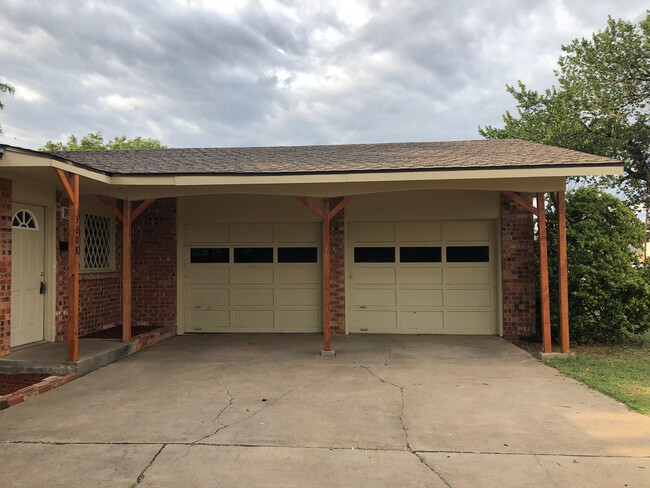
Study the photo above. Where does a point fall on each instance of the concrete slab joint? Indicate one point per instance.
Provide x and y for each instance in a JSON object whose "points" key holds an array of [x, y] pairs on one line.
{"points": [[401, 411]]}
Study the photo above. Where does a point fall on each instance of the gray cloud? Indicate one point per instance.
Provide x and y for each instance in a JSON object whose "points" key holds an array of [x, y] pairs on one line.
{"points": [[266, 72]]}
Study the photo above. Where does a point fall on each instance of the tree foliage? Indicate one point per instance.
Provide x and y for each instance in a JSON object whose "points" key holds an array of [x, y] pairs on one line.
{"points": [[600, 106], [5, 88], [609, 292], [95, 142]]}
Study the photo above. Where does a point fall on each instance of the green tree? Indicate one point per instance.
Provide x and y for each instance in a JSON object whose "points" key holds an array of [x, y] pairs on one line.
{"points": [[5, 88], [600, 106], [609, 292], [95, 142]]}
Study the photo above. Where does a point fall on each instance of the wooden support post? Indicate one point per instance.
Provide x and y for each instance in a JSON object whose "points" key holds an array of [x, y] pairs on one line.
{"points": [[543, 274], [326, 275], [126, 272], [73, 271], [326, 215], [71, 187], [562, 271]]}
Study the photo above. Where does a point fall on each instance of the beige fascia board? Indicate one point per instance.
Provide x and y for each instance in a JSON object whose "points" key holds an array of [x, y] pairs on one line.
{"points": [[211, 180], [83, 172]]}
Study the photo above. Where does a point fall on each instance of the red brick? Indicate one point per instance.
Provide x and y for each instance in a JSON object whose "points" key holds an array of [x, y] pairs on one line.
{"points": [[5, 265], [518, 262]]}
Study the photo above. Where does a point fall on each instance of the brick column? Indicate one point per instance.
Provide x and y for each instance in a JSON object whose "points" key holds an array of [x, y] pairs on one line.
{"points": [[154, 265], [5, 266], [518, 273], [337, 270]]}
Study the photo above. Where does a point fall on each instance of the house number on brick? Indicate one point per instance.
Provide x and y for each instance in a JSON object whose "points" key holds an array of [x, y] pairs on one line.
{"points": [[76, 235]]}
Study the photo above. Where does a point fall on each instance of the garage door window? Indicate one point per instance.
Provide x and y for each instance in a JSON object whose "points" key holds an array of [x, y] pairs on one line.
{"points": [[297, 254], [374, 254], [420, 254], [209, 255], [253, 254], [468, 254]]}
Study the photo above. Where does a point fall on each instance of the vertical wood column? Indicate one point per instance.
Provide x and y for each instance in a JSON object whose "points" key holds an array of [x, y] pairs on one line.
{"points": [[326, 275], [543, 274], [126, 272], [73, 271], [562, 271]]}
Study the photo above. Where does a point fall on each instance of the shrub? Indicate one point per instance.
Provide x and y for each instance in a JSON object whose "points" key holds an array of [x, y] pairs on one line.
{"points": [[609, 289]]}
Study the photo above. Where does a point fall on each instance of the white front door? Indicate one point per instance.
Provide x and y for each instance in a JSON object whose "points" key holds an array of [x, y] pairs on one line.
{"points": [[27, 271]]}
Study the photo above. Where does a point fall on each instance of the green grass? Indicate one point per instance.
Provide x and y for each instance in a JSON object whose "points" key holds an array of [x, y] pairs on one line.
{"points": [[621, 371]]}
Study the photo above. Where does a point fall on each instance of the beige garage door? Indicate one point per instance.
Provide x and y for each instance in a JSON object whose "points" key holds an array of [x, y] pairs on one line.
{"points": [[422, 277], [252, 278]]}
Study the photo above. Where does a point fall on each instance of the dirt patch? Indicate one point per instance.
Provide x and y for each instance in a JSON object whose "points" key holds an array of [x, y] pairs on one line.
{"points": [[14, 382], [116, 332]]}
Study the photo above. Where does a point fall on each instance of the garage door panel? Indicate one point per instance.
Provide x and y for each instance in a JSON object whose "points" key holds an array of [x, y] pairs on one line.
{"points": [[368, 297], [285, 275], [298, 297], [249, 290], [208, 298], [288, 233], [374, 321], [252, 319], [420, 298], [252, 296], [250, 275], [465, 298], [208, 275], [419, 276], [247, 233], [374, 276], [466, 231], [467, 276], [418, 232], [372, 232], [298, 320], [452, 295], [479, 322], [421, 322], [207, 233], [207, 320]]}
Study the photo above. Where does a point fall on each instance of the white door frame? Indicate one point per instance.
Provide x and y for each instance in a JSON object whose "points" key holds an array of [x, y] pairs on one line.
{"points": [[49, 223]]}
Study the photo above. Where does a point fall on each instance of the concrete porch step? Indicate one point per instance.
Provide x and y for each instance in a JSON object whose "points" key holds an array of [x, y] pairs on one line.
{"points": [[50, 357]]}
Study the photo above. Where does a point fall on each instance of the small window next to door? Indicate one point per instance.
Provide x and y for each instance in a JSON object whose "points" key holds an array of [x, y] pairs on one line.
{"points": [[468, 254], [209, 255], [430, 254], [24, 219], [297, 254], [253, 254], [374, 254]]}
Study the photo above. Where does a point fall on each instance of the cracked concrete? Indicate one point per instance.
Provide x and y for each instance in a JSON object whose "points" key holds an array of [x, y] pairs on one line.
{"points": [[254, 410]]}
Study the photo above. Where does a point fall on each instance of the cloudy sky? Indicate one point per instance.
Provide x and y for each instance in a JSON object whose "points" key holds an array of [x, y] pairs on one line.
{"points": [[197, 73]]}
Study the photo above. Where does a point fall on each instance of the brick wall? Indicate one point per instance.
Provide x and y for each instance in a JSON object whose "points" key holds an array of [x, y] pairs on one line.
{"points": [[518, 261], [5, 266], [100, 294], [153, 270], [154, 265], [337, 270]]}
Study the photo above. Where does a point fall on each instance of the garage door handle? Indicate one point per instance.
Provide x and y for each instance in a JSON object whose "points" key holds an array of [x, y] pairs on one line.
{"points": [[201, 307]]}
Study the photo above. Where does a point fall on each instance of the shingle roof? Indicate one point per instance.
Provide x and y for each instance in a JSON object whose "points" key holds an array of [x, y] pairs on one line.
{"points": [[351, 158]]}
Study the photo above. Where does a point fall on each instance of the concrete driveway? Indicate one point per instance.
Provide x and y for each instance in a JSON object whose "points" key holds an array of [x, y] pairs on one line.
{"points": [[266, 410]]}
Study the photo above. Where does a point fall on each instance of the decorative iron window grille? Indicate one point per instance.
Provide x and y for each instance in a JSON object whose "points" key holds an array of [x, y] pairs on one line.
{"points": [[96, 242], [24, 219]]}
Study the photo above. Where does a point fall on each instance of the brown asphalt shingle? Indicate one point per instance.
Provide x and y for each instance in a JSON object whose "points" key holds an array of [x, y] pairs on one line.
{"points": [[351, 158]]}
